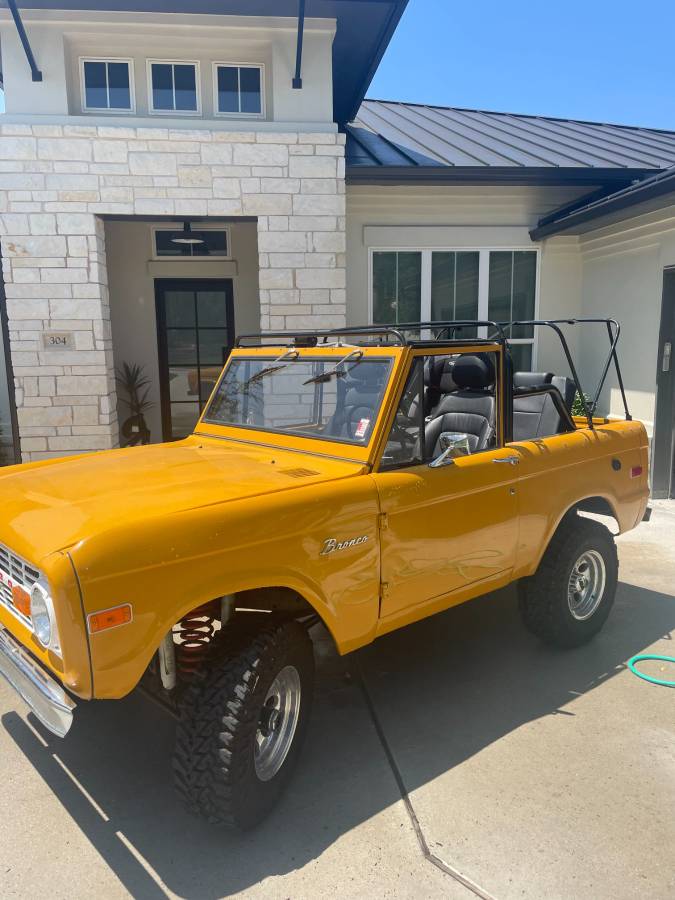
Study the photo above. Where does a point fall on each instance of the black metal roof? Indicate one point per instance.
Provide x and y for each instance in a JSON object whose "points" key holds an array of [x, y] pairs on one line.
{"points": [[432, 142], [651, 193], [364, 29]]}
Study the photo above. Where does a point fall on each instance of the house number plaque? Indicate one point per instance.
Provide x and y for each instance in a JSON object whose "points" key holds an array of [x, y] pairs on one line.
{"points": [[58, 340]]}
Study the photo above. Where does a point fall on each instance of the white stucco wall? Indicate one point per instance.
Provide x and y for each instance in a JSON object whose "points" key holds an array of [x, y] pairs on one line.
{"points": [[131, 280], [622, 276], [59, 38], [456, 217]]}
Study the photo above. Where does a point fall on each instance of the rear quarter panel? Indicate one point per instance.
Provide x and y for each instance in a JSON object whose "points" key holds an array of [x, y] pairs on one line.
{"points": [[558, 472], [165, 567]]}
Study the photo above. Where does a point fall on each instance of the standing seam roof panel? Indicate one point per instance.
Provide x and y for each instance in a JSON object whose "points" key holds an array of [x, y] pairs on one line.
{"points": [[421, 135]]}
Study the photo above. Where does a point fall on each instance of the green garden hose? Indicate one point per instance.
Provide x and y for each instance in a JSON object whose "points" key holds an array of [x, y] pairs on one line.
{"points": [[642, 656]]}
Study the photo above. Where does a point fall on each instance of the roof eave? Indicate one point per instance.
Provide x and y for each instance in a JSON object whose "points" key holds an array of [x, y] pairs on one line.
{"points": [[397, 11], [496, 175], [610, 210]]}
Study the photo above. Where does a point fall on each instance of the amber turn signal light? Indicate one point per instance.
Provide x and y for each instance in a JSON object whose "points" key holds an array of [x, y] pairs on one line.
{"points": [[21, 600], [109, 618]]}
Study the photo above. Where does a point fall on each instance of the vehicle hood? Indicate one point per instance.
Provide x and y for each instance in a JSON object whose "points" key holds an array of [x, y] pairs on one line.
{"points": [[47, 507]]}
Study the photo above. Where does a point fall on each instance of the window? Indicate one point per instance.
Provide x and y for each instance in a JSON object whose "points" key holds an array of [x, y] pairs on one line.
{"points": [[454, 287], [215, 243], [437, 285], [397, 280], [333, 398], [173, 87], [437, 412], [513, 282], [107, 84], [238, 89]]}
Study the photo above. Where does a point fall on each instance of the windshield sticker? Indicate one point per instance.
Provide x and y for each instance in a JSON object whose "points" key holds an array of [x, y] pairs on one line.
{"points": [[362, 428]]}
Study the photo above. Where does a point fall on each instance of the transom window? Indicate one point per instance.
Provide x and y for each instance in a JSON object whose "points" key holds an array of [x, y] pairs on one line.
{"points": [[436, 285], [238, 89], [173, 87], [107, 84], [214, 242]]}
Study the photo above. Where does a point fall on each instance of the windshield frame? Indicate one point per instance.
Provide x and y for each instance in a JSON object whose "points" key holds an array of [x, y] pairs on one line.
{"points": [[322, 445]]}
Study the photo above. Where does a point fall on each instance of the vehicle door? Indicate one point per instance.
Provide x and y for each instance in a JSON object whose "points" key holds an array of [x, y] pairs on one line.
{"points": [[449, 530]]}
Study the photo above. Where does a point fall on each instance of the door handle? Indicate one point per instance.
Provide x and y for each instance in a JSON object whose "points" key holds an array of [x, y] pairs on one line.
{"points": [[667, 351], [513, 460]]}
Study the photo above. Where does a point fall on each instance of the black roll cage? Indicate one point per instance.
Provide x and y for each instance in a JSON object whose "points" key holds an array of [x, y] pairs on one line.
{"points": [[394, 335]]}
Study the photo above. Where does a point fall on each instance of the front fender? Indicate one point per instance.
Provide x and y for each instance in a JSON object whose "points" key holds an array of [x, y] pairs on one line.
{"points": [[166, 567]]}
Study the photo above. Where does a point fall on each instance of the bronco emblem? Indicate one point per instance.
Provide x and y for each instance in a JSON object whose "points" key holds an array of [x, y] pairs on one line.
{"points": [[330, 545]]}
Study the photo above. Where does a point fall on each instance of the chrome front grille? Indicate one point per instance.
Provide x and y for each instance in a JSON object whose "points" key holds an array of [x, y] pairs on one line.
{"points": [[14, 570]]}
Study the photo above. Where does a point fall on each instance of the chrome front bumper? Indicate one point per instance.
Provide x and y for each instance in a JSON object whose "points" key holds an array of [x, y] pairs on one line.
{"points": [[45, 696]]}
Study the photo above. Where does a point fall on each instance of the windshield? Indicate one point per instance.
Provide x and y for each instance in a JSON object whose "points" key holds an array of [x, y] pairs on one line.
{"points": [[332, 398]]}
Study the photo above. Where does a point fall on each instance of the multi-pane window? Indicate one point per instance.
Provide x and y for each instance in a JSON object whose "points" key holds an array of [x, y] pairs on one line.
{"points": [[397, 286], [513, 286], [214, 242], [173, 87], [239, 90], [106, 84], [454, 287], [441, 285]]}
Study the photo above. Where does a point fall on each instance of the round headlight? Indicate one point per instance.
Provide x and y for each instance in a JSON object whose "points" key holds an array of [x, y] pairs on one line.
{"points": [[40, 613]]}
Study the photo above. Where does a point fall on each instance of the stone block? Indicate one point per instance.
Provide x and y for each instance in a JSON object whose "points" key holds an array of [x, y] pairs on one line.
{"points": [[318, 204], [152, 163], [71, 149], [312, 167], [260, 155], [267, 204], [320, 278]]}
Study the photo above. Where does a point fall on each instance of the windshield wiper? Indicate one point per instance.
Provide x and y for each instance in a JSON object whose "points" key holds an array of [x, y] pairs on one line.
{"points": [[276, 365], [336, 370]]}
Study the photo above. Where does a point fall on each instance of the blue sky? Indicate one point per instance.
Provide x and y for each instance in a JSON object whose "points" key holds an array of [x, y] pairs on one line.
{"points": [[595, 60]]}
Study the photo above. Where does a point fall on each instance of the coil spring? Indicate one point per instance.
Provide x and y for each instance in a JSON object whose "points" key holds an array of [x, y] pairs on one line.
{"points": [[194, 634]]}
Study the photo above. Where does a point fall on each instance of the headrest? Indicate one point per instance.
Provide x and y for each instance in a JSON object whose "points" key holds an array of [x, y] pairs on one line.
{"points": [[447, 382], [474, 372], [531, 379]]}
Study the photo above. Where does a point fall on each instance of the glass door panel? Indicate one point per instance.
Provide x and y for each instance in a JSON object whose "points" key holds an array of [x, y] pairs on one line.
{"points": [[195, 325]]}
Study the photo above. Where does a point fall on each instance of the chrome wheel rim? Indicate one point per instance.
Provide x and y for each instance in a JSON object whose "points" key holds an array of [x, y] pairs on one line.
{"points": [[586, 586], [277, 723]]}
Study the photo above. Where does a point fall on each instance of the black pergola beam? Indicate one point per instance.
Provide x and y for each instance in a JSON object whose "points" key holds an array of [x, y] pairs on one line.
{"points": [[36, 74], [297, 78]]}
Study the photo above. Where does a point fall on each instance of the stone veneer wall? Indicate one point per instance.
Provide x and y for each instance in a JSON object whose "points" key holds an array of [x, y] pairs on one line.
{"points": [[55, 183]]}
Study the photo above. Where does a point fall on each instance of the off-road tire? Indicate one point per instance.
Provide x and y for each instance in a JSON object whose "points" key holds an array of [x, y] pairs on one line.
{"points": [[213, 764], [543, 598]]}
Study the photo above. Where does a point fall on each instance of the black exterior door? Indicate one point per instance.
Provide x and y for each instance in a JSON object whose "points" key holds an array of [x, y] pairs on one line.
{"points": [[9, 449], [663, 444], [195, 329]]}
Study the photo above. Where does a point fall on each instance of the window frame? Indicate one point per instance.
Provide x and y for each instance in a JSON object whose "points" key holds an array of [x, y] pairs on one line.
{"points": [[206, 226], [198, 87], [445, 350], [109, 111], [215, 65], [483, 282]]}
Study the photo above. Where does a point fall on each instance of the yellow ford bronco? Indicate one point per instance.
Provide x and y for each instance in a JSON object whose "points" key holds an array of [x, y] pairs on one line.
{"points": [[362, 478]]}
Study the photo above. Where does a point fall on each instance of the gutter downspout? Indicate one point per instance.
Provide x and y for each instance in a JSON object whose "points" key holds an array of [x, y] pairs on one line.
{"points": [[297, 79], [36, 74]]}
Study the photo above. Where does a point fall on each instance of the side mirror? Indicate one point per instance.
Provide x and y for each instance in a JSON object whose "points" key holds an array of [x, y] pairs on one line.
{"points": [[452, 444]]}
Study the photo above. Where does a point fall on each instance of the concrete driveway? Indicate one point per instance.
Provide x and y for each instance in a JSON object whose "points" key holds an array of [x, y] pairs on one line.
{"points": [[457, 758]]}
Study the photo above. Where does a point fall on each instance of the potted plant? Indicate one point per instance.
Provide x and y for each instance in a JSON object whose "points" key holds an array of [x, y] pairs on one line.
{"points": [[134, 387]]}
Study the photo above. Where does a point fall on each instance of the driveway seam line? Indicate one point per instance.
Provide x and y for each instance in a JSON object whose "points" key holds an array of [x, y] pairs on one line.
{"points": [[405, 797]]}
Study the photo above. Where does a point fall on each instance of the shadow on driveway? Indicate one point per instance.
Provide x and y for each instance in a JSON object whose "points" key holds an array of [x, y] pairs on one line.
{"points": [[451, 685]]}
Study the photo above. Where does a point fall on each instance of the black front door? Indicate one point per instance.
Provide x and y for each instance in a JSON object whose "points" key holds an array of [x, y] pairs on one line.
{"points": [[9, 451], [663, 444], [195, 328]]}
